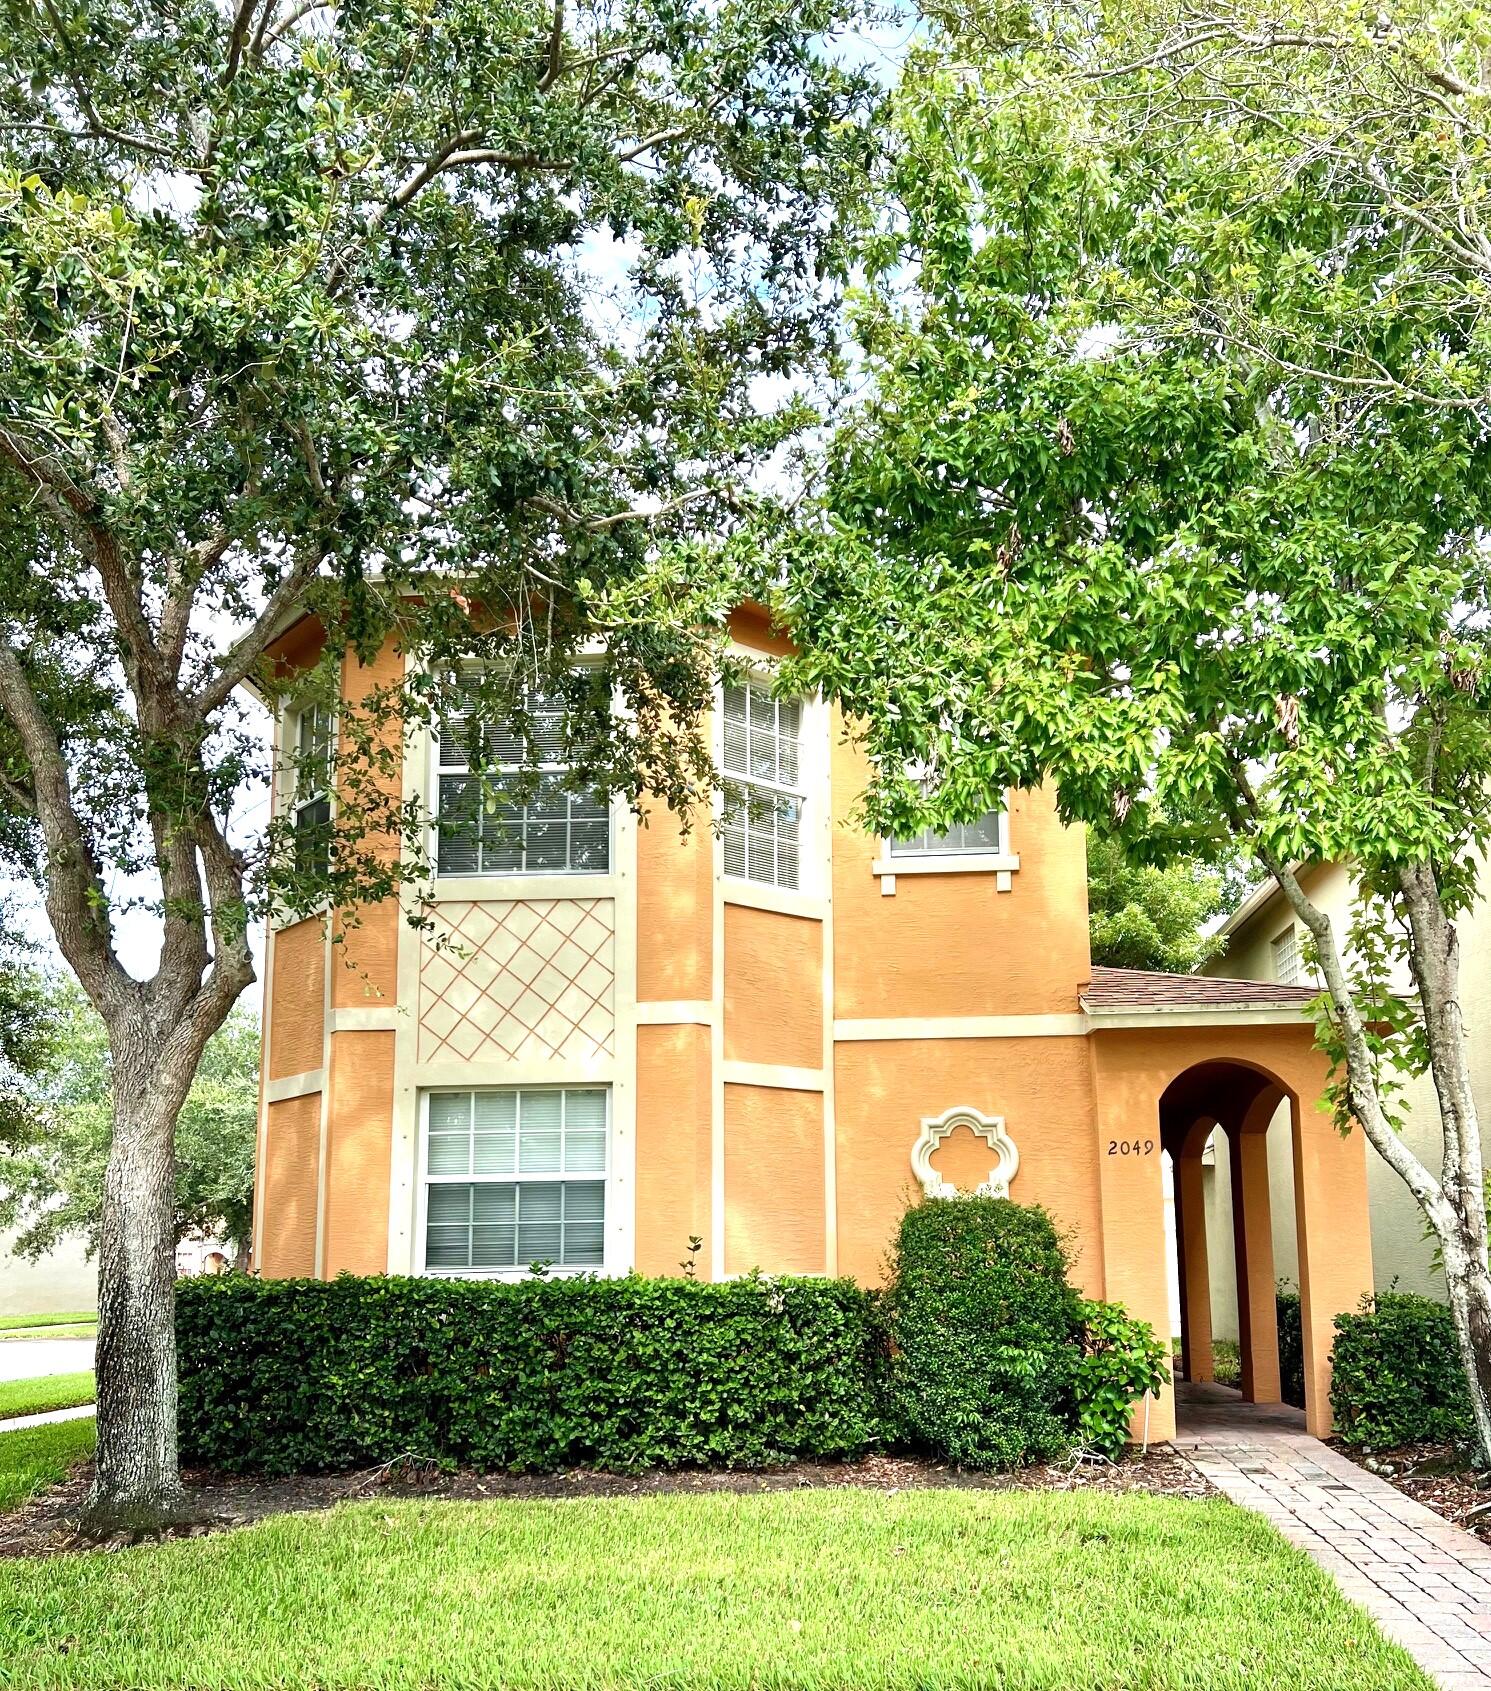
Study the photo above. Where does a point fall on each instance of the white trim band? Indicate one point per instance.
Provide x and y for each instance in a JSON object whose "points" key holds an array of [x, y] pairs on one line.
{"points": [[294, 1086], [778, 1075], [962, 1027], [676, 1012]]}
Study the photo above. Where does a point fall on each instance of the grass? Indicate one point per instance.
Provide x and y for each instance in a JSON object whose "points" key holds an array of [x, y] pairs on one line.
{"points": [[67, 1318], [834, 1590], [51, 1391], [37, 1457]]}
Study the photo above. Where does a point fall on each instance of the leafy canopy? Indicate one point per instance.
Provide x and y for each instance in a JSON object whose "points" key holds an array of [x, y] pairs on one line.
{"points": [[1092, 523], [1146, 916]]}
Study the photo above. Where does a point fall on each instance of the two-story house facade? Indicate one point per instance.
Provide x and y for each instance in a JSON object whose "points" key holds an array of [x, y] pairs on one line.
{"points": [[619, 1036]]}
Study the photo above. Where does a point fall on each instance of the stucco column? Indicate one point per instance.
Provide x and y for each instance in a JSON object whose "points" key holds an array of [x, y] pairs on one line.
{"points": [[1195, 1276], [1253, 1241], [1335, 1241]]}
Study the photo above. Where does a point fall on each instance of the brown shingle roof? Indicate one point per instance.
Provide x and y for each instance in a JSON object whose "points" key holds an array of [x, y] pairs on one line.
{"points": [[1147, 989]]}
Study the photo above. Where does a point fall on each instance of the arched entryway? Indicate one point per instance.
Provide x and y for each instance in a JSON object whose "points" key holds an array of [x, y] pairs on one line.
{"points": [[1221, 1112]]}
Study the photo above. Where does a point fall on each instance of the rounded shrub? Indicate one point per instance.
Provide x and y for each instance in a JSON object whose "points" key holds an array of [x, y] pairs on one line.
{"points": [[985, 1332], [1396, 1375]]}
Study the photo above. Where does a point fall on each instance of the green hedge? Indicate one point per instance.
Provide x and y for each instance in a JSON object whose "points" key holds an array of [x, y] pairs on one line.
{"points": [[1291, 1347], [1396, 1376], [285, 1376], [985, 1332]]}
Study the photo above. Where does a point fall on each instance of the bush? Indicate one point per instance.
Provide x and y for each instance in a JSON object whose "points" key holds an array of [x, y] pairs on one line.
{"points": [[985, 1332], [285, 1376], [1291, 1347], [1122, 1360], [1397, 1375]]}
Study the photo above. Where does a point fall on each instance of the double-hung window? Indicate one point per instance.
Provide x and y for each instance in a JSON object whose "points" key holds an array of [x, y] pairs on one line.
{"points": [[965, 839], [309, 732], [484, 828], [515, 1177], [764, 798]]}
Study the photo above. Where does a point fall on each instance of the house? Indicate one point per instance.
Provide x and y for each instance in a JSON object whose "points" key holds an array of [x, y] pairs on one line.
{"points": [[1266, 942], [768, 1038]]}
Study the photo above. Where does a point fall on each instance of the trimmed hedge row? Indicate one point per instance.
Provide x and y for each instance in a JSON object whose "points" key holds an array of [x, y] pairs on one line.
{"points": [[1396, 1376], [288, 1376], [1291, 1347]]}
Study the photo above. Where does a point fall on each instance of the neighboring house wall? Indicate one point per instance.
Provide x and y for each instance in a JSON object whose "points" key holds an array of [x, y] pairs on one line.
{"points": [[64, 1279], [1400, 1254]]}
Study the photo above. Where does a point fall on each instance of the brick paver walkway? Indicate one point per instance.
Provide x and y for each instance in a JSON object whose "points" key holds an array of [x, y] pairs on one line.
{"points": [[1426, 1582]]}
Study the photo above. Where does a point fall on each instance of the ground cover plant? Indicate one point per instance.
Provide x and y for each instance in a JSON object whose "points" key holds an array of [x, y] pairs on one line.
{"points": [[846, 1589], [35, 1457], [51, 1391]]}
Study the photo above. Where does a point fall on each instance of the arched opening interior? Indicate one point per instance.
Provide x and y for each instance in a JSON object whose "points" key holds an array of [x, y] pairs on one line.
{"points": [[1227, 1130]]}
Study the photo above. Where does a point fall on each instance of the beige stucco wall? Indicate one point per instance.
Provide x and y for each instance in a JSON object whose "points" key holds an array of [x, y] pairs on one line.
{"points": [[1400, 1255], [64, 1279]]}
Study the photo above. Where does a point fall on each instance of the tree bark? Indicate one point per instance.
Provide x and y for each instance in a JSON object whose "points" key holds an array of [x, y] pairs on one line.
{"points": [[136, 1484]]}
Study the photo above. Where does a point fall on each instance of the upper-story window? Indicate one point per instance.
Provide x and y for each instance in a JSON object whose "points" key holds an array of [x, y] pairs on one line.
{"points": [[964, 839], [1286, 957], [763, 812], [309, 732], [556, 831]]}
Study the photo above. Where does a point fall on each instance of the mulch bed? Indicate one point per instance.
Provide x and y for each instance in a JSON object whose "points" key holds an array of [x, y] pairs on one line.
{"points": [[1434, 1475], [47, 1524]]}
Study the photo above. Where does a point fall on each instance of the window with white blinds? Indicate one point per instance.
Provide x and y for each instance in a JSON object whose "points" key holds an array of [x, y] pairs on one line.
{"points": [[964, 839], [515, 1177], [764, 799], [482, 831]]}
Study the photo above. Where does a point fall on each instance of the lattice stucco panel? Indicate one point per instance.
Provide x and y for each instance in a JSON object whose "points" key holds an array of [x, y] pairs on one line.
{"points": [[521, 980]]}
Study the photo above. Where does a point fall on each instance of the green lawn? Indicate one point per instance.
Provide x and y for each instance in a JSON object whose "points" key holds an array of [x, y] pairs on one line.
{"points": [[66, 1318], [819, 1590], [37, 1457], [51, 1391]]}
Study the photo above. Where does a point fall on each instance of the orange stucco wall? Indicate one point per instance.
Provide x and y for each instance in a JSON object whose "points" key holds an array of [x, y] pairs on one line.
{"points": [[1043, 1089], [951, 945], [774, 1181], [297, 996], [675, 889], [292, 1142], [773, 988], [359, 1121], [673, 1147]]}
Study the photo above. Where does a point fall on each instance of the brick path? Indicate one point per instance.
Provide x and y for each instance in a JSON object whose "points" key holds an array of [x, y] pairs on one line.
{"points": [[1426, 1582]]}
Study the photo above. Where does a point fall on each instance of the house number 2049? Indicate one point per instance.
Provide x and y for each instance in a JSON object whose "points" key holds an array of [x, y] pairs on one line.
{"points": [[1130, 1147]]}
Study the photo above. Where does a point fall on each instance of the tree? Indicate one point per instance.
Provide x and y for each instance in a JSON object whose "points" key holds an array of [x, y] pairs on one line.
{"points": [[52, 1159], [1149, 916], [1172, 481], [460, 325], [25, 1031]]}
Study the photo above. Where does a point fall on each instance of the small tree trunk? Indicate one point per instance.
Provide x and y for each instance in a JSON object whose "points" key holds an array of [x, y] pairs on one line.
{"points": [[136, 1484], [1469, 1287]]}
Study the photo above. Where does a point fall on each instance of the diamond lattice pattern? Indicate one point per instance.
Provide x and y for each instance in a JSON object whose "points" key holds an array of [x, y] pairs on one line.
{"points": [[530, 979]]}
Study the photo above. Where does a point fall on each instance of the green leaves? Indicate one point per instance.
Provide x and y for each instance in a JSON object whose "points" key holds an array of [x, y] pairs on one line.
{"points": [[292, 1376]]}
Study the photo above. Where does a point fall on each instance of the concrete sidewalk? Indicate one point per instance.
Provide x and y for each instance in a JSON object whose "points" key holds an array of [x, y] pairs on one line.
{"points": [[18, 1423]]}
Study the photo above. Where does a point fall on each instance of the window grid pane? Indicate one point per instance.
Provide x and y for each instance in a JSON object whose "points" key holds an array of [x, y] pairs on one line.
{"points": [[482, 831], [542, 1138], [763, 815], [982, 836]]}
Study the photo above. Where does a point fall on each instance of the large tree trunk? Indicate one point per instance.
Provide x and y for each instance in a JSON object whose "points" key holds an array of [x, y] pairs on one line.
{"points": [[137, 1486]]}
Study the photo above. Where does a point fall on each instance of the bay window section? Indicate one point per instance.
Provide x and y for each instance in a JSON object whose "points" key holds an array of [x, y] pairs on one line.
{"points": [[506, 802], [309, 733], [515, 1177]]}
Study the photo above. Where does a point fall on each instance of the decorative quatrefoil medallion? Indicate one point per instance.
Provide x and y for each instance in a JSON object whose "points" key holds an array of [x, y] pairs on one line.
{"points": [[990, 1129]]}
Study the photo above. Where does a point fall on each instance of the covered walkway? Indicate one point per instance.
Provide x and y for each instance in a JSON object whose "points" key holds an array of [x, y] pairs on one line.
{"points": [[1426, 1582]]}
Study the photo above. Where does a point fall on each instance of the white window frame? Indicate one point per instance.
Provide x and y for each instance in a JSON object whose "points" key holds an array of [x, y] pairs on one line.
{"points": [[292, 769], [807, 774], [1003, 861], [424, 1179], [457, 877]]}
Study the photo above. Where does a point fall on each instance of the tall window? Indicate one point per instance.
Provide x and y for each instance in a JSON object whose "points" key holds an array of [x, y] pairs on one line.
{"points": [[763, 814], [555, 832], [964, 839], [515, 1177], [1286, 957], [309, 733]]}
